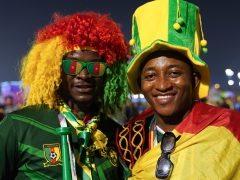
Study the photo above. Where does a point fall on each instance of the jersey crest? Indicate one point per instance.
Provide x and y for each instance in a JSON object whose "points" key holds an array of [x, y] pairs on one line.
{"points": [[52, 154]]}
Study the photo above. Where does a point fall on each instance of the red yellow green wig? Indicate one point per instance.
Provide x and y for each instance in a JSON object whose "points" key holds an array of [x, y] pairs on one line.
{"points": [[41, 67]]}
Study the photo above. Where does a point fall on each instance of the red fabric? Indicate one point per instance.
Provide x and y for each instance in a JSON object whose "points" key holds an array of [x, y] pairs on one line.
{"points": [[142, 116], [85, 118], [52, 151], [96, 69], [203, 115]]}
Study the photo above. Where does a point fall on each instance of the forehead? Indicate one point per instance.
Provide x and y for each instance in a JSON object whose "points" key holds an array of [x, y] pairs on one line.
{"points": [[170, 56], [83, 55]]}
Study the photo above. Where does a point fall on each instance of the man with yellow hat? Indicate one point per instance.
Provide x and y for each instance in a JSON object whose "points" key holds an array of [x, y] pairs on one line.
{"points": [[178, 137]]}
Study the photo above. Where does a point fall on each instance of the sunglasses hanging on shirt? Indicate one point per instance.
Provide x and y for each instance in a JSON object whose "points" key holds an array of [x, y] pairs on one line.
{"points": [[164, 165]]}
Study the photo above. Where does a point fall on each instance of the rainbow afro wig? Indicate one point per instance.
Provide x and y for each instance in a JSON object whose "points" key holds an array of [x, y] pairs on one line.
{"points": [[41, 68]]}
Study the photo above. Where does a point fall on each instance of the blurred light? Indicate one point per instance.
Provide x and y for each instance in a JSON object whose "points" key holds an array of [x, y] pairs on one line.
{"points": [[135, 96], [239, 84], [217, 86], [238, 74], [141, 96], [230, 82], [229, 72]]}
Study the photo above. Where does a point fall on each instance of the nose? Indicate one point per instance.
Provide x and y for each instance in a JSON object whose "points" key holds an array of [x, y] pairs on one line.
{"points": [[83, 74], [163, 83]]}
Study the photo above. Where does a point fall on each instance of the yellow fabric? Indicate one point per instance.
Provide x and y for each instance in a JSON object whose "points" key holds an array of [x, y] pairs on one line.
{"points": [[211, 154], [99, 139], [85, 131], [197, 46], [160, 22]]}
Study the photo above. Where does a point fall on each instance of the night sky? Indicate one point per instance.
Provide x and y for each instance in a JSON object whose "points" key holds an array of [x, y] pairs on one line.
{"points": [[20, 19]]}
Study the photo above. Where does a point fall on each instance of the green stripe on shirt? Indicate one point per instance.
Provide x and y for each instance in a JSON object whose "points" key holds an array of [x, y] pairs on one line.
{"points": [[33, 123], [30, 149], [34, 175]]}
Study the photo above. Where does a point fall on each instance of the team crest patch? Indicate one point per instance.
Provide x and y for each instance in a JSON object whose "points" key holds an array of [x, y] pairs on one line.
{"points": [[52, 154]]}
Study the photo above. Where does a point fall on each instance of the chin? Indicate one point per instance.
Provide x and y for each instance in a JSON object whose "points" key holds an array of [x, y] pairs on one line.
{"points": [[166, 113], [84, 102]]}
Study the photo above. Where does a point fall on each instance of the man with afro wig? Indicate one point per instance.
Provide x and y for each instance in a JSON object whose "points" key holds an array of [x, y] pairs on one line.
{"points": [[74, 80]]}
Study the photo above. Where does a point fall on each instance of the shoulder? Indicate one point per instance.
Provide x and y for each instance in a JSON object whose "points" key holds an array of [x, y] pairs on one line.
{"points": [[32, 115], [214, 111], [34, 111], [203, 115]]}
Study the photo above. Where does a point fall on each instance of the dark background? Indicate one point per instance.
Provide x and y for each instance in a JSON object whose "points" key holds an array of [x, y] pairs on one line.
{"points": [[20, 19]]}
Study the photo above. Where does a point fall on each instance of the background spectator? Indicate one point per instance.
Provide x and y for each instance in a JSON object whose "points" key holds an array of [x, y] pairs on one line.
{"points": [[9, 105]]}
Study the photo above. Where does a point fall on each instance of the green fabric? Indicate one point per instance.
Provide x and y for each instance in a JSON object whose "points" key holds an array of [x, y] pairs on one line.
{"points": [[81, 113], [34, 175], [34, 123], [84, 136], [23, 134], [127, 173], [31, 150], [22, 137], [186, 36], [159, 136], [137, 45]]}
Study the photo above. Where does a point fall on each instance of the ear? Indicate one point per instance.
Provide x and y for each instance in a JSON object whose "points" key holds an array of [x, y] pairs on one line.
{"points": [[196, 79]]}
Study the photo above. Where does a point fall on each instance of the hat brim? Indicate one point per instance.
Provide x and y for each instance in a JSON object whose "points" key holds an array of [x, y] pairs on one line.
{"points": [[200, 66]]}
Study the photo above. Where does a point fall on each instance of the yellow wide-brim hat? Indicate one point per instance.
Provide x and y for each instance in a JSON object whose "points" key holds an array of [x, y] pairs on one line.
{"points": [[168, 25]]}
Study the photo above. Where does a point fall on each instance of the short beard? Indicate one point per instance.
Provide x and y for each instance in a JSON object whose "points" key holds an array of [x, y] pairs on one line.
{"points": [[86, 104]]}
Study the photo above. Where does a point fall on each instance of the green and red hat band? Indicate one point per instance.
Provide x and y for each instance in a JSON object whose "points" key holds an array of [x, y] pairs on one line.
{"points": [[74, 67]]}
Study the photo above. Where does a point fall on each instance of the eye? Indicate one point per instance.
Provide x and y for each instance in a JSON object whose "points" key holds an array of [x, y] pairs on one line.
{"points": [[175, 74], [149, 76]]}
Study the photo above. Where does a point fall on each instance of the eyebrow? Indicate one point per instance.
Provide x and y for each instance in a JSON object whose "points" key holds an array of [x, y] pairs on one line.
{"points": [[175, 65], [148, 69], [169, 67]]}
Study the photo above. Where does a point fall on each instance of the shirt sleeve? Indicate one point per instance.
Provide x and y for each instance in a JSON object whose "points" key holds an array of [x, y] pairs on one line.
{"points": [[8, 148]]}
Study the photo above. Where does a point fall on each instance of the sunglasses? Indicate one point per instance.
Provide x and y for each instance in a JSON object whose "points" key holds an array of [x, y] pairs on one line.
{"points": [[164, 165], [74, 67]]}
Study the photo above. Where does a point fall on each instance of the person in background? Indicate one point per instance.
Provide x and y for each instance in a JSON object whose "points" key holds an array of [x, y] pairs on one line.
{"points": [[178, 137], [140, 106], [224, 103], [131, 110], [73, 76], [9, 105], [236, 103]]}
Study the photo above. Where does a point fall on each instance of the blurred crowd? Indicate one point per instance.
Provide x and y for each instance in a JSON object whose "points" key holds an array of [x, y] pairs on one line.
{"points": [[7, 106], [224, 99], [133, 107], [226, 102]]}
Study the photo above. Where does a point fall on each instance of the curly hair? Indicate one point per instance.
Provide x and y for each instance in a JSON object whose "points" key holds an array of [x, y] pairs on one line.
{"points": [[41, 68]]}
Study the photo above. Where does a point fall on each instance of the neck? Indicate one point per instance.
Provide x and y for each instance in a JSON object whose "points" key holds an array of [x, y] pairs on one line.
{"points": [[168, 123], [84, 107]]}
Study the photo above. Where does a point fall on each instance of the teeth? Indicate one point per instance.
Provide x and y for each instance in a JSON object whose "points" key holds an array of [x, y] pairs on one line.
{"points": [[163, 97]]}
